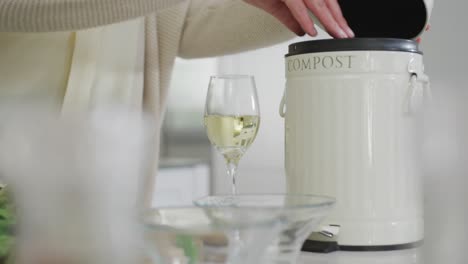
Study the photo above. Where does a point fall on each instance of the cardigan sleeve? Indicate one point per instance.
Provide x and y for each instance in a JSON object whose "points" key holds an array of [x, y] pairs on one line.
{"points": [[218, 27], [68, 15]]}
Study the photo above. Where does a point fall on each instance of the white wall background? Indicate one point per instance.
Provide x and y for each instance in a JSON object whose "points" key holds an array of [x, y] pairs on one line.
{"points": [[183, 134], [446, 135]]}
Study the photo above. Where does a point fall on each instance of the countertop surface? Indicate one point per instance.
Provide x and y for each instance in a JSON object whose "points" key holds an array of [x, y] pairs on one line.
{"points": [[166, 163], [412, 256]]}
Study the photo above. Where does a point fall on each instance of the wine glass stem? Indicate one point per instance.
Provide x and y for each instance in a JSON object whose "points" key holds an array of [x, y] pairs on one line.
{"points": [[232, 171]]}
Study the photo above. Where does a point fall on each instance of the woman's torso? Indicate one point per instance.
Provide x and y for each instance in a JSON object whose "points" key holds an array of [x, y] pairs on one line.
{"points": [[74, 70], [34, 67]]}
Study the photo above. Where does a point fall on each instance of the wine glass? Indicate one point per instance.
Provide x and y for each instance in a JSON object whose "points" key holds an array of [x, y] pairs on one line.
{"points": [[232, 117]]}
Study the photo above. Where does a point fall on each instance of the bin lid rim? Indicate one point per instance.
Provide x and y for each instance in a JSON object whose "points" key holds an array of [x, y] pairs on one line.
{"points": [[354, 44]]}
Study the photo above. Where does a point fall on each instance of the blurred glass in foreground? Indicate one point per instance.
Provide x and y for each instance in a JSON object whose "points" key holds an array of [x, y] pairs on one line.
{"points": [[76, 180]]}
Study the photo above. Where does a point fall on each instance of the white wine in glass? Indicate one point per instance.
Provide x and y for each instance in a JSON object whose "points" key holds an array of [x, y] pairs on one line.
{"points": [[232, 118]]}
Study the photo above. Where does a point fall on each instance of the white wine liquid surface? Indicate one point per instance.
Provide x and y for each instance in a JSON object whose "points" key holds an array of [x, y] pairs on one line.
{"points": [[232, 135]]}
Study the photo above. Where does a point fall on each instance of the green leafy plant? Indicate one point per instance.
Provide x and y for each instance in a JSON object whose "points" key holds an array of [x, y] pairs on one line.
{"points": [[7, 222]]}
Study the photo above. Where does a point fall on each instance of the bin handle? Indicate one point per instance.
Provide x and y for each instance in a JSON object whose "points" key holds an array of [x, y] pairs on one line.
{"points": [[413, 83], [282, 108]]}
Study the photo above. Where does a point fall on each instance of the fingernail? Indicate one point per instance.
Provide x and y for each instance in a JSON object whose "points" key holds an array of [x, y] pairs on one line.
{"points": [[342, 34], [313, 32], [350, 33]]}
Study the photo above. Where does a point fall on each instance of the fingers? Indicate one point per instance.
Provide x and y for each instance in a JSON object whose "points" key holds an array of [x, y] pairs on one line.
{"points": [[295, 15], [330, 15], [428, 27], [300, 12], [284, 15], [335, 10]]}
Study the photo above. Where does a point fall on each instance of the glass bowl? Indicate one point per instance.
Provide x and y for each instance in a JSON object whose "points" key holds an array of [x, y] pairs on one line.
{"points": [[209, 235], [299, 216]]}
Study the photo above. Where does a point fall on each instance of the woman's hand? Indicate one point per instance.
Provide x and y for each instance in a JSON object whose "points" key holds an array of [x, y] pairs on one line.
{"points": [[294, 15], [428, 27]]}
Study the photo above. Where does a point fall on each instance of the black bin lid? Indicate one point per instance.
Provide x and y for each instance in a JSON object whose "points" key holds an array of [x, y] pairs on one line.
{"points": [[354, 44], [403, 19]]}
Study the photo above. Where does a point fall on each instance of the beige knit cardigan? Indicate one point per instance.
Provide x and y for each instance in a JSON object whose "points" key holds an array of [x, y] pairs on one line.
{"points": [[186, 28]]}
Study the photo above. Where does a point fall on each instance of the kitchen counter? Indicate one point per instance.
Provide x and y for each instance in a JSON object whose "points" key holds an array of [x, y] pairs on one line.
{"points": [[180, 181], [411, 256]]}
